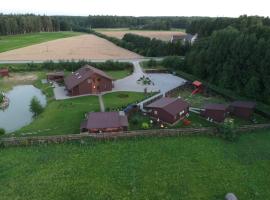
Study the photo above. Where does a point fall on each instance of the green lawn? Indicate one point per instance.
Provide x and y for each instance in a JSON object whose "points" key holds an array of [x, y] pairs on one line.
{"points": [[119, 74], [118, 100], [186, 168], [17, 41], [61, 117]]}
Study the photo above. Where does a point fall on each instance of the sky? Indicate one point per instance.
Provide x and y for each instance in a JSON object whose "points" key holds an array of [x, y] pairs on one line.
{"points": [[213, 8]]}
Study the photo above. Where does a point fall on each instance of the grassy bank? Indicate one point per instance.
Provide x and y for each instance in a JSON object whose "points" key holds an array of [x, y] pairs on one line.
{"points": [[18, 41], [148, 168]]}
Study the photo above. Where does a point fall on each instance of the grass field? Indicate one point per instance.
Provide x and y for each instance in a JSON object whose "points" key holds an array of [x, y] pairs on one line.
{"points": [[121, 99], [162, 35], [186, 168], [18, 41], [118, 74]]}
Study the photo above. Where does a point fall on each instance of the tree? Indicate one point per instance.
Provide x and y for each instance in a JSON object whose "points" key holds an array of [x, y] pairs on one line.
{"points": [[35, 107]]}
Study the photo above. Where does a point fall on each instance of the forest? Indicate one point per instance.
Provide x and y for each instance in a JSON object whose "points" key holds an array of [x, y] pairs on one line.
{"points": [[234, 55], [21, 24]]}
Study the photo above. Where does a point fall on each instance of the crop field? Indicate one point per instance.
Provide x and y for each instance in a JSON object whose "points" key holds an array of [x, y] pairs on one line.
{"points": [[18, 41], [184, 168], [162, 35], [77, 47]]}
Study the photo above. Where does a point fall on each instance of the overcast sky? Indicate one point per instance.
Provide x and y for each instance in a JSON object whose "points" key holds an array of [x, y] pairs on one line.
{"points": [[230, 8]]}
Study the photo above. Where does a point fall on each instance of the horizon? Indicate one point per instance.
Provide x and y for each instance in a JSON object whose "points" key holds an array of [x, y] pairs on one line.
{"points": [[140, 8]]}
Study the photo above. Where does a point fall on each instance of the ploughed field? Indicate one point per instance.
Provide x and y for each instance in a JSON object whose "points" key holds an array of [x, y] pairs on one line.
{"points": [[77, 47], [119, 33], [187, 168]]}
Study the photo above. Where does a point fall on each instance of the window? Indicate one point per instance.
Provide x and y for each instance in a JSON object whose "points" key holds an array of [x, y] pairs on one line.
{"points": [[98, 79], [155, 112]]}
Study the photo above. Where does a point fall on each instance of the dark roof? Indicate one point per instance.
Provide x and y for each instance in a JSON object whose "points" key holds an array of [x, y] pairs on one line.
{"points": [[101, 120], [56, 74], [243, 104], [215, 106], [82, 74], [170, 105]]}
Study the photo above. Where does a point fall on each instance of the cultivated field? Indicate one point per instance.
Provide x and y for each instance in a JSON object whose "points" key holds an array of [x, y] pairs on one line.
{"points": [[11, 42], [119, 33], [78, 47]]}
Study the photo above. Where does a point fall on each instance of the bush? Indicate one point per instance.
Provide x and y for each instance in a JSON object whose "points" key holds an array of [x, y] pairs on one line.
{"points": [[35, 107], [2, 131], [145, 125], [227, 130], [1, 97]]}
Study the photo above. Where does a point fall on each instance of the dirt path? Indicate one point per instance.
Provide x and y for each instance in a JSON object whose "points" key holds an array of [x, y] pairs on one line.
{"points": [[101, 103]]}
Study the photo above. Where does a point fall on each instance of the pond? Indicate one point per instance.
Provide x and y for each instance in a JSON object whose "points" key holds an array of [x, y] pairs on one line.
{"points": [[18, 113]]}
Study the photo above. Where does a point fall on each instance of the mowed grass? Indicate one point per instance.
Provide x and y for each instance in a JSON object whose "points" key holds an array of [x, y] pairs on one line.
{"points": [[18, 41], [61, 117], [118, 74], [186, 168], [121, 99]]}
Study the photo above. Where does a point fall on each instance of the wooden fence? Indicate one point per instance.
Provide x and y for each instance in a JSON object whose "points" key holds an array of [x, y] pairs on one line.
{"points": [[36, 140]]}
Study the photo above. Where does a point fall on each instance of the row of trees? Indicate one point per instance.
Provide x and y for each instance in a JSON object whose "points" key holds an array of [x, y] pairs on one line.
{"points": [[236, 57], [21, 24], [206, 26], [154, 47]]}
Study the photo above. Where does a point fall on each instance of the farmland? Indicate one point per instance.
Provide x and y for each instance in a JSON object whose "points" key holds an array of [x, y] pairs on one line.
{"points": [[119, 33], [148, 168], [18, 41], [77, 47]]}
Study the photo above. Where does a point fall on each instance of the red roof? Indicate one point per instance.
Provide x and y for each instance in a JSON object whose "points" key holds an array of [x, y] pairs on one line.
{"points": [[82, 74], [3, 70], [197, 83], [100, 120], [170, 105]]}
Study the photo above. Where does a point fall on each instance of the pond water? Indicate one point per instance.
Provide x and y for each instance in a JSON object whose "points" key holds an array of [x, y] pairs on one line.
{"points": [[18, 113]]}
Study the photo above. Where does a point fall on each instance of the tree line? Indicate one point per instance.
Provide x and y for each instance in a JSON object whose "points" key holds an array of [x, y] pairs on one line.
{"points": [[234, 56], [29, 23]]}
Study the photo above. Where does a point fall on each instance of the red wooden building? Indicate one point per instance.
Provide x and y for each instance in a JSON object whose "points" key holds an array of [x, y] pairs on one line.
{"points": [[198, 87], [242, 109], [56, 76], [88, 80], [168, 110], [105, 122], [215, 112], [4, 72]]}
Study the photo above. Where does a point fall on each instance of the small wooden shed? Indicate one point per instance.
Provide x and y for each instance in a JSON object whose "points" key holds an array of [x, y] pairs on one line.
{"points": [[168, 110], [4, 72], [242, 109], [198, 87], [56, 76], [215, 112]]}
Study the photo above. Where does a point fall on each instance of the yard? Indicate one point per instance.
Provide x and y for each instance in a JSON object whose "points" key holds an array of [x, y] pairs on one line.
{"points": [[119, 100], [197, 168], [18, 41]]}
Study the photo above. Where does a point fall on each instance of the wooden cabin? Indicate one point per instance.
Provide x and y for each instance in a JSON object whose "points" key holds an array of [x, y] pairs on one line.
{"points": [[215, 112], [242, 109]]}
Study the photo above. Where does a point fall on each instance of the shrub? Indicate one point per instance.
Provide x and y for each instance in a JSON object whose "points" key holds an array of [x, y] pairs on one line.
{"points": [[145, 125], [1, 97], [227, 130], [35, 107], [2, 131]]}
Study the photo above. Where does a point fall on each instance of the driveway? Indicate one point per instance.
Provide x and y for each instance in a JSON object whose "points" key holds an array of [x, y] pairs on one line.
{"points": [[129, 83], [166, 82]]}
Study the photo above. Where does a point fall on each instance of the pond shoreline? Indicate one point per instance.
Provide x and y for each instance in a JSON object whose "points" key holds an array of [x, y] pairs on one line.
{"points": [[5, 103]]}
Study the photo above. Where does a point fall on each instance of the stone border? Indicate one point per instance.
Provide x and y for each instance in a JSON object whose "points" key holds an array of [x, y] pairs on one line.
{"points": [[57, 139]]}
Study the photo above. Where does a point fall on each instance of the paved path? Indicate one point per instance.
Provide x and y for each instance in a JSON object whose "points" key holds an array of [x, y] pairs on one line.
{"points": [[101, 103], [129, 83]]}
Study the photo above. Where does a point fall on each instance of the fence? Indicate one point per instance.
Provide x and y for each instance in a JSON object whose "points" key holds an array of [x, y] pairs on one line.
{"points": [[210, 131]]}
